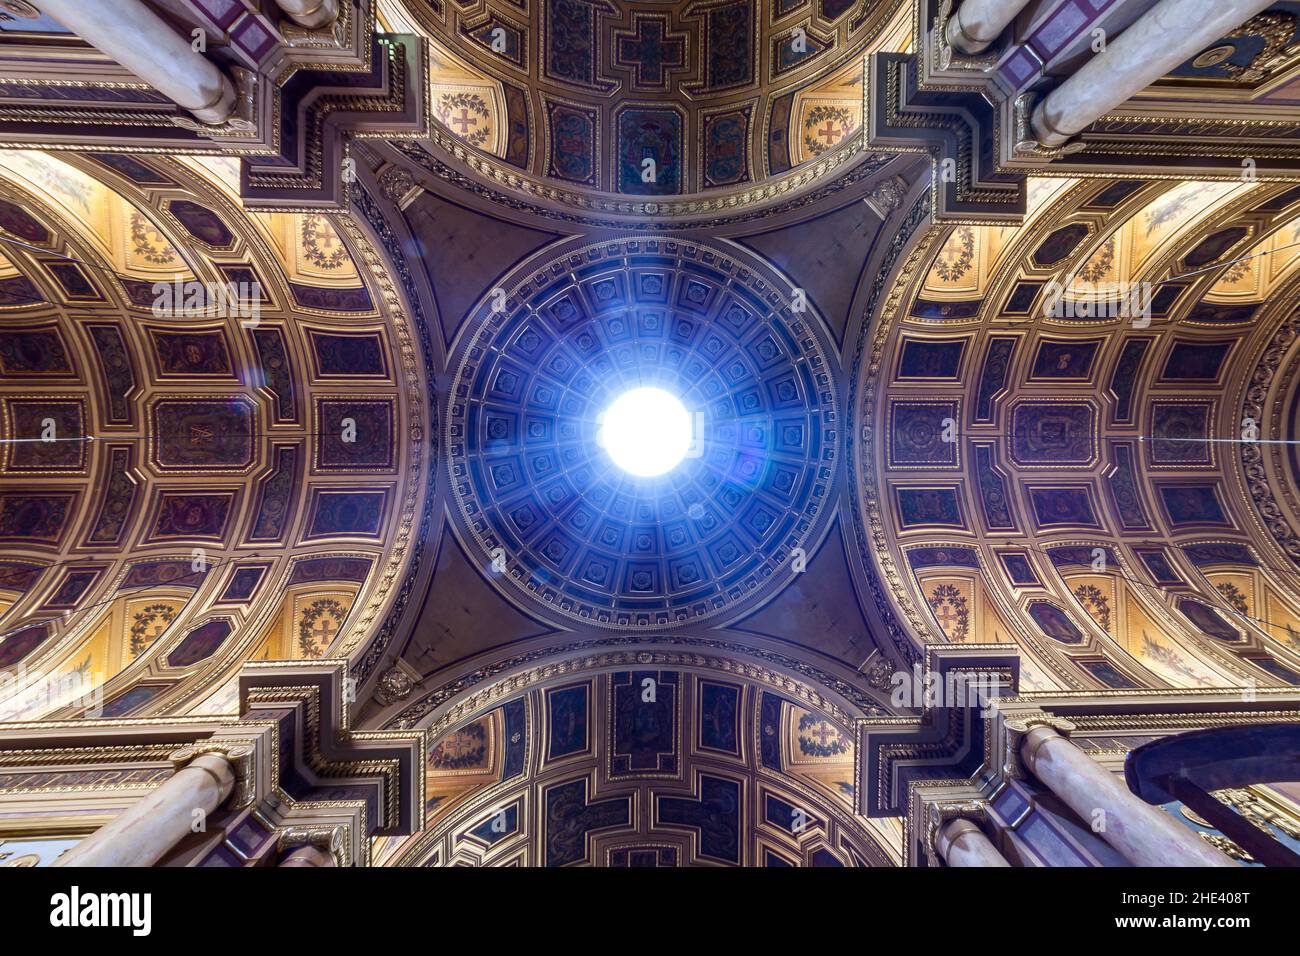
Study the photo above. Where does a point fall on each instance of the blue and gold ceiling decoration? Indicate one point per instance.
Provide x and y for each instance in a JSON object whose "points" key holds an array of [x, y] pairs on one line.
{"points": [[668, 671]]}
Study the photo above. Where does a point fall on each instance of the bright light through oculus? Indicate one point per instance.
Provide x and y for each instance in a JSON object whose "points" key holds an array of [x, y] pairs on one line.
{"points": [[647, 431]]}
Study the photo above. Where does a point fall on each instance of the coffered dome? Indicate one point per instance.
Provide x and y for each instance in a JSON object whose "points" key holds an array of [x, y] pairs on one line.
{"points": [[572, 331]]}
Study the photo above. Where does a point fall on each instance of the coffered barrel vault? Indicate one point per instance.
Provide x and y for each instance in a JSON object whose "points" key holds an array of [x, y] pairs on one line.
{"points": [[717, 95], [1084, 506], [197, 504]]}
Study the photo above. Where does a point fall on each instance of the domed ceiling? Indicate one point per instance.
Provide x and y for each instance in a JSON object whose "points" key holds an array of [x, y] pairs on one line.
{"points": [[542, 547], [572, 330], [1107, 487], [191, 482], [570, 100]]}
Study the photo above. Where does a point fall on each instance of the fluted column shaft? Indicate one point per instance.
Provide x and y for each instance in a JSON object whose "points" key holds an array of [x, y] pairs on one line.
{"points": [[145, 44], [962, 843], [1144, 835], [312, 14], [144, 833], [975, 24], [1150, 47]]}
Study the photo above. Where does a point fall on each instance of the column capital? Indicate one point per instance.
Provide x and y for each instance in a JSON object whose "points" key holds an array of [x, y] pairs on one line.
{"points": [[328, 838], [240, 756], [970, 813], [1025, 139], [949, 44], [1018, 728]]}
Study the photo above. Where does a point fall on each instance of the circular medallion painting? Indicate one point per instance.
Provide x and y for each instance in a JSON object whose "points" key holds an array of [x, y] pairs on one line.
{"points": [[570, 339]]}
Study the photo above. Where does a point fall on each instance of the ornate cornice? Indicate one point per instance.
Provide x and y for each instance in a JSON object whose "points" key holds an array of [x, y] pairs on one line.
{"points": [[623, 214], [865, 506], [422, 391], [456, 700]]}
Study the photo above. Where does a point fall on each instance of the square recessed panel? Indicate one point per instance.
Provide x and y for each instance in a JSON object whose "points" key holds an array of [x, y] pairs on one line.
{"points": [[929, 507], [1195, 361], [1064, 360], [1021, 299], [1180, 433], [1114, 194], [39, 517], [349, 355], [346, 513], [1219, 553], [1157, 564], [243, 584], [1275, 668], [74, 586], [923, 434], [195, 515], [355, 435], [1066, 506], [718, 717], [567, 716], [192, 354], [939, 557], [1019, 568], [193, 435], [74, 281], [1053, 433], [1190, 505], [129, 701], [931, 359], [644, 723], [1107, 674], [47, 436]]}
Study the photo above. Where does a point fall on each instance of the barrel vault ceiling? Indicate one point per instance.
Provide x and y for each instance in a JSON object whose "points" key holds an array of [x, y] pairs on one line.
{"points": [[903, 442]]}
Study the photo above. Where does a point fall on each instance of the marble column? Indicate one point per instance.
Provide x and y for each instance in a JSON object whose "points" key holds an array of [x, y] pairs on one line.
{"points": [[975, 24], [307, 856], [1144, 835], [145, 44], [962, 843], [1159, 40], [312, 14], [146, 831]]}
